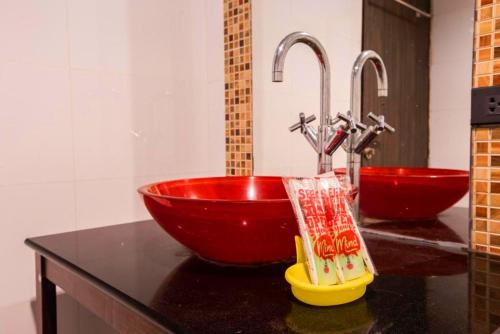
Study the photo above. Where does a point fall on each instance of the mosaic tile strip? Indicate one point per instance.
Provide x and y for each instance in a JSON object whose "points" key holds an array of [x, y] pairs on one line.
{"points": [[485, 160], [485, 198], [238, 86], [487, 44]]}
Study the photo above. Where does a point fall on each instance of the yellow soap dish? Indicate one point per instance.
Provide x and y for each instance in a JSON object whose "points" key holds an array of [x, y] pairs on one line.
{"points": [[322, 295]]}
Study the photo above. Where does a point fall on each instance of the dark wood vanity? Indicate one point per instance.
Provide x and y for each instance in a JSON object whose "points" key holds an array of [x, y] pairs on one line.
{"points": [[139, 280]]}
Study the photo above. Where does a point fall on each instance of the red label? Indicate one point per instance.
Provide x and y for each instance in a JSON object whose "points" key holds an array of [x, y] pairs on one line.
{"points": [[347, 243], [312, 210], [328, 221], [324, 247]]}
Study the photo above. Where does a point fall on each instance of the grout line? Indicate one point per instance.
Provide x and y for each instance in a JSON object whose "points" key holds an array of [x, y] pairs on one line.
{"points": [[72, 116]]}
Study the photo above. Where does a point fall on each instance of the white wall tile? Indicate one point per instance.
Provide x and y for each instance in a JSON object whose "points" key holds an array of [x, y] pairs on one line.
{"points": [[121, 36], [450, 84], [27, 211], [301, 13], [274, 145], [447, 150], [455, 30], [96, 99], [341, 87], [216, 126], [452, 27], [35, 124], [265, 37], [344, 18], [125, 125], [17, 318], [103, 121], [214, 41], [34, 32], [108, 202], [84, 30], [440, 7]]}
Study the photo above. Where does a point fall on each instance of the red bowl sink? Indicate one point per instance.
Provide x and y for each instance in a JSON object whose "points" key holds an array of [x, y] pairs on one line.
{"points": [[234, 220], [409, 193]]}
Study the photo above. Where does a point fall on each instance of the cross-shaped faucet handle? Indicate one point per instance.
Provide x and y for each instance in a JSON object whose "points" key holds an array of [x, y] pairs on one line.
{"points": [[303, 121], [381, 124], [353, 126]]}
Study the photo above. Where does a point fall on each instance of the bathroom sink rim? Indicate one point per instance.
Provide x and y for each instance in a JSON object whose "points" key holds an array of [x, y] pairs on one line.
{"points": [[144, 190], [427, 172]]}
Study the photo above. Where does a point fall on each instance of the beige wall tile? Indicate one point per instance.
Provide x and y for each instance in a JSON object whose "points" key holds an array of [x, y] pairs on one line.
{"points": [[494, 227], [480, 225], [495, 240], [481, 199], [495, 200], [481, 238], [481, 186], [482, 133], [481, 212], [494, 213], [481, 160], [481, 173]]}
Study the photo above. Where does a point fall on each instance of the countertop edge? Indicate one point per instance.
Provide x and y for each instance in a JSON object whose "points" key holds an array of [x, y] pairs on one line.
{"points": [[117, 294]]}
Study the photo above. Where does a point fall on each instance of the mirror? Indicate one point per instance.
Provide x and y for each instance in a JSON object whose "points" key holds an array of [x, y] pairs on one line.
{"points": [[429, 67]]}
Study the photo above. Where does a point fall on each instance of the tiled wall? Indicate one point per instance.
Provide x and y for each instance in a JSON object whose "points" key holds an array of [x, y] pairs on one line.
{"points": [[96, 99], [238, 86], [485, 187], [484, 293], [487, 43]]}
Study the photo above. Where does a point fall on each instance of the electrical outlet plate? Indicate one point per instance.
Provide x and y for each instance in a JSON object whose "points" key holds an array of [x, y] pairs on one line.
{"points": [[485, 105], [494, 104]]}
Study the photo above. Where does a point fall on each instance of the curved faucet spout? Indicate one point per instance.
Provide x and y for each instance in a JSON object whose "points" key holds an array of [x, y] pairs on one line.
{"points": [[324, 65], [357, 69], [353, 157], [324, 164]]}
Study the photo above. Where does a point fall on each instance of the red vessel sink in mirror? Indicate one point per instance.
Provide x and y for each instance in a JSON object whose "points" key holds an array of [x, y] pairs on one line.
{"points": [[234, 220], [249, 220], [396, 193]]}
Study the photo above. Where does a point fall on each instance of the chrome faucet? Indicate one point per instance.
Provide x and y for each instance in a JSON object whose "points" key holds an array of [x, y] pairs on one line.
{"points": [[329, 136], [326, 139], [355, 144]]}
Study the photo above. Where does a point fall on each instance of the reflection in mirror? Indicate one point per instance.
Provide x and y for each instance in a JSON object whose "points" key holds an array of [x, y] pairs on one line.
{"points": [[426, 46]]}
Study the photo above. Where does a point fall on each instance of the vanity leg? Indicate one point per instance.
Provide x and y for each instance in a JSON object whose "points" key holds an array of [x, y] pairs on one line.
{"points": [[46, 311]]}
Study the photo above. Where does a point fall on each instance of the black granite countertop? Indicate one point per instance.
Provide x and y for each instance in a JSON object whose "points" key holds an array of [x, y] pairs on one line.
{"points": [[420, 289]]}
